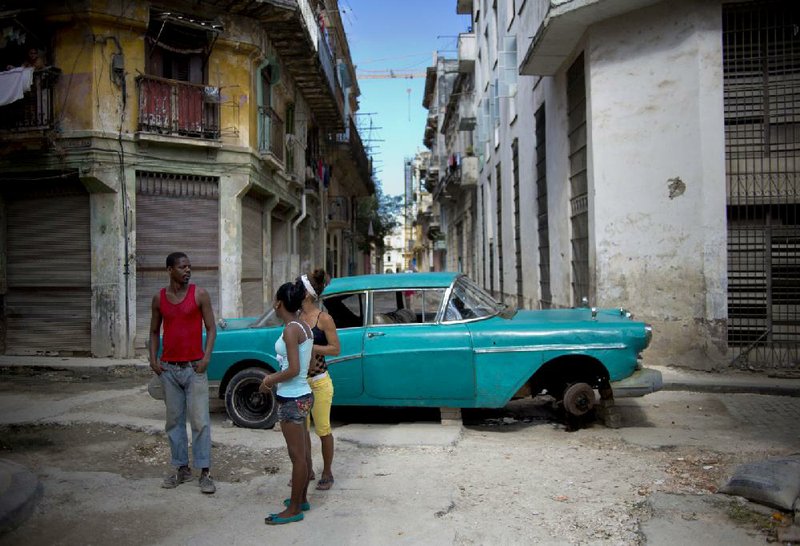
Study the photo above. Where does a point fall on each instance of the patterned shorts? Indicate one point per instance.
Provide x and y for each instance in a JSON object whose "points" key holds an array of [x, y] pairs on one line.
{"points": [[295, 410]]}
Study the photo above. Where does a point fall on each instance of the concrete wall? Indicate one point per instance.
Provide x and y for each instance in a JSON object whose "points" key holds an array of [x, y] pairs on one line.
{"points": [[657, 180]]}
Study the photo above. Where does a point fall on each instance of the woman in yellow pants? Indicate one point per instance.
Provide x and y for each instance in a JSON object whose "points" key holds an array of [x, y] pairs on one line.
{"points": [[326, 343]]}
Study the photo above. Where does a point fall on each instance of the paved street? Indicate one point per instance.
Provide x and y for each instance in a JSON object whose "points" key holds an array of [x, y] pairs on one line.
{"points": [[94, 440]]}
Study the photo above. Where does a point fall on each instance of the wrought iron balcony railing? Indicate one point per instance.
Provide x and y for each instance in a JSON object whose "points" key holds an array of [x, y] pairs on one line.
{"points": [[35, 109], [178, 108], [270, 133], [338, 211]]}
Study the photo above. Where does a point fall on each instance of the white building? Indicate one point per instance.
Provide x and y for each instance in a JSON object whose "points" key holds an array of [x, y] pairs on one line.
{"points": [[393, 260], [638, 153]]}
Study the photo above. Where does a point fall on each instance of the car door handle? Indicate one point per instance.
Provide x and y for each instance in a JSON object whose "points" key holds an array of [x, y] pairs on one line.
{"points": [[375, 334]]}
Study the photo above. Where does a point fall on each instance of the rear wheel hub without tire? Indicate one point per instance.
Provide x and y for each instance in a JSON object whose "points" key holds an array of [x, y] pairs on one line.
{"points": [[579, 399]]}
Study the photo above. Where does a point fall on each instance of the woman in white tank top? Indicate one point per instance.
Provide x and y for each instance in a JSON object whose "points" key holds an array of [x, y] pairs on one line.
{"points": [[293, 352]]}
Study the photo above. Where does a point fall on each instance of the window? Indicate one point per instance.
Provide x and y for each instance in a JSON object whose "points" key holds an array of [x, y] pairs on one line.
{"points": [[508, 74], [578, 180], [406, 306], [546, 298], [511, 10], [517, 221], [499, 196], [346, 310], [469, 301], [177, 51]]}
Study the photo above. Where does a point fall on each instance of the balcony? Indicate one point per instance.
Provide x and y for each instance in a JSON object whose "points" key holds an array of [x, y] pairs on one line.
{"points": [[351, 140], [178, 108], [564, 26], [467, 52], [35, 110], [271, 135], [467, 117], [295, 34], [338, 212]]}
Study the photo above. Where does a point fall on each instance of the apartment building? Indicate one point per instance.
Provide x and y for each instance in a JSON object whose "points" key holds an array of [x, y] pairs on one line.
{"points": [[140, 128], [636, 153]]}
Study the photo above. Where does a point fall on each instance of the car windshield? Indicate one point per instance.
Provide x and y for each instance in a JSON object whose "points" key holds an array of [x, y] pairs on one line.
{"points": [[470, 301], [269, 318]]}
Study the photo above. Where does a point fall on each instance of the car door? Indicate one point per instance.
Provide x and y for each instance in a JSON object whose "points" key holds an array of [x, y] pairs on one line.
{"points": [[348, 312], [411, 358]]}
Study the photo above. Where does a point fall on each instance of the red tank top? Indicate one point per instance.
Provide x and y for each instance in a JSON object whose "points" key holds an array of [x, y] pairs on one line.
{"points": [[183, 328]]}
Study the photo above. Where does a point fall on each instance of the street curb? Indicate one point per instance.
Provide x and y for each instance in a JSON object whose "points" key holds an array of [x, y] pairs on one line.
{"points": [[772, 390], [20, 490]]}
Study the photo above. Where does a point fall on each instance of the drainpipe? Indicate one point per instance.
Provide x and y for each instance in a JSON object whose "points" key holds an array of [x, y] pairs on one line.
{"points": [[297, 223]]}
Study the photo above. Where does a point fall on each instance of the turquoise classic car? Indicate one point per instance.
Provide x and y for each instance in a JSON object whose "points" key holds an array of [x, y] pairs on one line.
{"points": [[439, 340]]}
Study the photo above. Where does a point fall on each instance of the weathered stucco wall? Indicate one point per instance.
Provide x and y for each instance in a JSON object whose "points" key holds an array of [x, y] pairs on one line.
{"points": [[657, 177]]}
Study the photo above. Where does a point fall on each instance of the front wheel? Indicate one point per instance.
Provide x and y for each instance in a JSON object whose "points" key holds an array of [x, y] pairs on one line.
{"points": [[247, 407]]}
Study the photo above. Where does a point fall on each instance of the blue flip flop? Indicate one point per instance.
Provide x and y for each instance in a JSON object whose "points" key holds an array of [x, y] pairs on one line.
{"points": [[274, 519], [304, 506]]}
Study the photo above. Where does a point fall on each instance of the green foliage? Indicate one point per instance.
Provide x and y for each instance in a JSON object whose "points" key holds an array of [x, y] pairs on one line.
{"points": [[381, 210]]}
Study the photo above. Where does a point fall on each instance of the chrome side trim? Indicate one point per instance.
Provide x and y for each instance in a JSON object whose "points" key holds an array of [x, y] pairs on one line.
{"points": [[330, 361], [543, 348]]}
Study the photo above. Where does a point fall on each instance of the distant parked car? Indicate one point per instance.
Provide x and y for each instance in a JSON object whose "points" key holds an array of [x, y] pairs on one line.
{"points": [[439, 340]]}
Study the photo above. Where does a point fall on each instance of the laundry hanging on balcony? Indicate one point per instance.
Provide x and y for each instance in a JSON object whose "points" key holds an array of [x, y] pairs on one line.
{"points": [[14, 84]]}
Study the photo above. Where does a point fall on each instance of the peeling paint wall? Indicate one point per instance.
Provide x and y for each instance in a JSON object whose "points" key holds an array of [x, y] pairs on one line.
{"points": [[657, 177]]}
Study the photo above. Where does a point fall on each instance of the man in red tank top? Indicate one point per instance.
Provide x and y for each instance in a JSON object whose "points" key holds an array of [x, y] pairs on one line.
{"points": [[184, 309]]}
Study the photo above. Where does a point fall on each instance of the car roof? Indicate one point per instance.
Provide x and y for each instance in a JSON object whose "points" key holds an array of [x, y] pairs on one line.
{"points": [[439, 279]]}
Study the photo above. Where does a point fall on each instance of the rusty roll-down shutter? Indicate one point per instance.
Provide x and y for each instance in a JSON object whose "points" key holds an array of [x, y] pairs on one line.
{"points": [[252, 256], [49, 299], [174, 213]]}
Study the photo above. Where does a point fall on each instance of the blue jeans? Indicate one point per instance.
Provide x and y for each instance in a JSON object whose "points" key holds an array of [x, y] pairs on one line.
{"points": [[186, 391]]}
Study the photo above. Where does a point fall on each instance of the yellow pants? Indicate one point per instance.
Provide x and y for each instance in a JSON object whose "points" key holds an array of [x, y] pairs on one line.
{"points": [[321, 410]]}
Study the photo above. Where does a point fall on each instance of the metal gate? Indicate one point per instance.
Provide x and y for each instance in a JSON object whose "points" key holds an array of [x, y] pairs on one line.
{"points": [[761, 60]]}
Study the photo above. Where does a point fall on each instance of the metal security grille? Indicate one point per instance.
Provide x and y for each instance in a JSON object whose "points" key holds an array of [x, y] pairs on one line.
{"points": [[499, 176], [517, 236], [761, 56], [579, 200], [546, 297]]}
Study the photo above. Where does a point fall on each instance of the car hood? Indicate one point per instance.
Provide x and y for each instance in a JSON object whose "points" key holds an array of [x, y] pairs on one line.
{"points": [[567, 327]]}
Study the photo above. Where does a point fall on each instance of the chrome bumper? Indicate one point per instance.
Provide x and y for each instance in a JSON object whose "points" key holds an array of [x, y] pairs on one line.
{"points": [[641, 382]]}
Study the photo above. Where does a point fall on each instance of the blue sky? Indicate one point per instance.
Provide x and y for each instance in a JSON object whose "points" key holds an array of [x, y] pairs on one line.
{"points": [[400, 35]]}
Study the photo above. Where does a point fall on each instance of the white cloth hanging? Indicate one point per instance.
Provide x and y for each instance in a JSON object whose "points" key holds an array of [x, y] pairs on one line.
{"points": [[15, 83]]}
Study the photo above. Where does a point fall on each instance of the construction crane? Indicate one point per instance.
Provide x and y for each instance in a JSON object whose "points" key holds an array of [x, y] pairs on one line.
{"points": [[391, 74]]}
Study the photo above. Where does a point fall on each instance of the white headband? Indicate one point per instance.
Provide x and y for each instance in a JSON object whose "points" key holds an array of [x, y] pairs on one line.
{"points": [[309, 288]]}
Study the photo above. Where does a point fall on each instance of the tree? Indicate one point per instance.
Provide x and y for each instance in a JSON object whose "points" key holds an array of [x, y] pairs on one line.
{"points": [[381, 211]]}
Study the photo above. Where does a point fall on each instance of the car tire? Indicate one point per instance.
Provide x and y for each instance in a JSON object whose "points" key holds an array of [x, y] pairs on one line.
{"points": [[247, 407]]}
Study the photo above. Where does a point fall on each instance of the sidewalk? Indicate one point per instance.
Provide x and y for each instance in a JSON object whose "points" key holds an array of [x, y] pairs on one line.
{"points": [[733, 381]]}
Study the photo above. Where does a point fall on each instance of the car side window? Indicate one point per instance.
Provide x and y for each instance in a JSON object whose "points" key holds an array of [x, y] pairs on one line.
{"points": [[412, 306], [428, 302], [346, 310]]}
